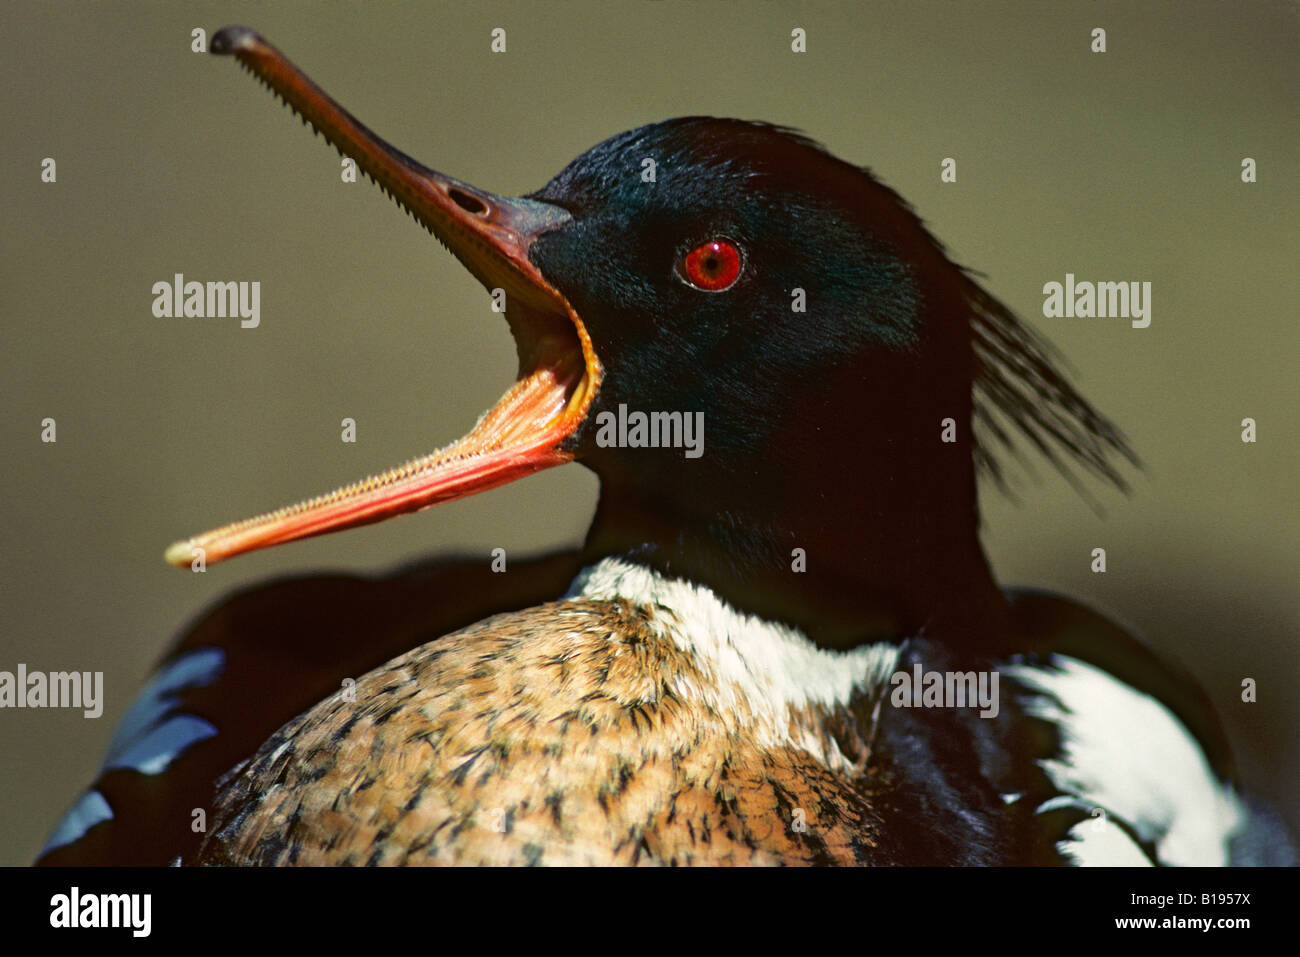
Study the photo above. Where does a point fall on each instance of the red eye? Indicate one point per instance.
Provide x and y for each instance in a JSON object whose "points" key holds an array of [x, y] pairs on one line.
{"points": [[712, 266]]}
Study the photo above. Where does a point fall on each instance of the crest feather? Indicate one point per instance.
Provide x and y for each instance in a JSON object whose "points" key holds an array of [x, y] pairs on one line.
{"points": [[1020, 388]]}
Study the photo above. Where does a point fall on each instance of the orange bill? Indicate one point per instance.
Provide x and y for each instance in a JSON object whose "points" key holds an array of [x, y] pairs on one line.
{"points": [[558, 369]]}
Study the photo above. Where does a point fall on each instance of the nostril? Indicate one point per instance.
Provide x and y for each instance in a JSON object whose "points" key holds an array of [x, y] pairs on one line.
{"points": [[471, 204]]}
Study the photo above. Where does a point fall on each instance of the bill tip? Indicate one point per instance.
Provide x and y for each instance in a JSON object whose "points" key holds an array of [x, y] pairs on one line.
{"points": [[179, 553], [233, 38]]}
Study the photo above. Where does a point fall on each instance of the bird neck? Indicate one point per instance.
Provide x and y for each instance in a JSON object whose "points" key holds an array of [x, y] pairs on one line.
{"points": [[846, 553]]}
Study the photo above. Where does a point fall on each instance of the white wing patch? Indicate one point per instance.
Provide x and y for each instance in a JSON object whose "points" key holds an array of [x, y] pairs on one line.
{"points": [[1126, 753], [757, 667], [149, 737], [1101, 844], [90, 810], [151, 734]]}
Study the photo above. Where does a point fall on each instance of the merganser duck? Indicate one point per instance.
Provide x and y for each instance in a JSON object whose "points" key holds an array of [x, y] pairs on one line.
{"points": [[720, 675]]}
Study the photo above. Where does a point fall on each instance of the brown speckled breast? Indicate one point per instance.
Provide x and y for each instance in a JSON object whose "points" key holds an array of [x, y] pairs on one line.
{"points": [[557, 735]]}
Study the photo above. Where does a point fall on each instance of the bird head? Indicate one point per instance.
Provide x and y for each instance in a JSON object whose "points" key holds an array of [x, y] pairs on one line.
{"points": [[840, 378]]}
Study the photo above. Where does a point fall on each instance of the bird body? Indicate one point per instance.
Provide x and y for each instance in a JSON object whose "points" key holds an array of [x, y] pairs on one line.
{"points": [[601, 729], [640, 720], [717, 676], [585, 731]]}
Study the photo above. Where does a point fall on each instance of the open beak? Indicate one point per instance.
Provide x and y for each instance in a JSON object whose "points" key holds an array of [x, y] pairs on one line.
{"points": [[558, 370]]}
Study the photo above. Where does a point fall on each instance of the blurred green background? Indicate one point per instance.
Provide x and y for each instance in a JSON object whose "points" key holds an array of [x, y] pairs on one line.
{"points": [[1120, 166]]}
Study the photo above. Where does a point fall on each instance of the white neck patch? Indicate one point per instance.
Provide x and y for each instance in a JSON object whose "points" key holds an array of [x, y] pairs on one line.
{"points": [[770, 670]]}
